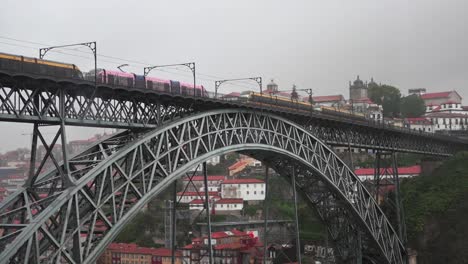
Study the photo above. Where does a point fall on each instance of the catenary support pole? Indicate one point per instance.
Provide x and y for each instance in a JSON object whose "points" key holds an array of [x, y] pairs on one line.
{"points": [[208, 216], [296, 220]]}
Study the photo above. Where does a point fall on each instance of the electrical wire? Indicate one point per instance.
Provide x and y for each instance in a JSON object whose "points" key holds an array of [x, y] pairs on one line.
{"points": [[208, 77]]}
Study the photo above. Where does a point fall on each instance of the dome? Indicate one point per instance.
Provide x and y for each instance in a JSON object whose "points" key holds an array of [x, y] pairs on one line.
{"points": [[358, 82]]}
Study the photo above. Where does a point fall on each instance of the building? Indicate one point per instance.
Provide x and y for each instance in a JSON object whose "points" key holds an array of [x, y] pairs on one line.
{"points": [[247, 189], [357, 90], [272, 87], [423, 124], [122, 253], [403, 172], [219, 205], [439, 98], [448, 121], [417, 91], [336, 101], [187, 197], [230, 247], [198, 181]]}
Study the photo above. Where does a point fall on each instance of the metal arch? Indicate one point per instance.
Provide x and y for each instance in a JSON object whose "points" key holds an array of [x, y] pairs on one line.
{"points": [[110, 193]]}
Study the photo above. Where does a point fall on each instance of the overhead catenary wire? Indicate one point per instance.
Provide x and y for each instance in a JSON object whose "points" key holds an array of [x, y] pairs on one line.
{"points": [[118, 61]]}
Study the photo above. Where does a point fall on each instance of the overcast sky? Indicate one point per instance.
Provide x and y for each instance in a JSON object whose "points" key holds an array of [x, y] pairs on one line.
{"points": [[314, 44]]}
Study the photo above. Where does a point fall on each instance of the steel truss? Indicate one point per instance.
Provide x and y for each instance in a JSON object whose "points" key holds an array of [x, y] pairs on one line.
{"points": [[50, 101], [116, 180]]}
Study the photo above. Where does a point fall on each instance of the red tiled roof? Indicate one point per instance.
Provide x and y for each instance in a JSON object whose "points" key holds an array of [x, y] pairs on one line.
{"points": [[197, 193], [221, 201], [413, 170], [210, 178], [435, 95], [242, 181], [363, 100], [230, 201], [327, 98], [237, 164], [135, 249], [229, 246]]}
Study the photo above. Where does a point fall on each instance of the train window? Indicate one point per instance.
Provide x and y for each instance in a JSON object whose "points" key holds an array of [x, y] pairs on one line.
{"points": [[130, 82], [149, 84], [198, 92], [166, 87], [184, 90], [110, 79]]}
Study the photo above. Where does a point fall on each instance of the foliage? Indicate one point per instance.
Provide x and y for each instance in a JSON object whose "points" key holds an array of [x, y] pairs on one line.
{"points": [[138, 229], [387, 96], [412, 106], [430, 195], [225, 161], [251, 210]]}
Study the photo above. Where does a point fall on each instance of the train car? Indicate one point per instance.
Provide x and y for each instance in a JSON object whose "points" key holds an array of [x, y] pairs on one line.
{"points": [[157, 84], [38, 66], [112, 77]]}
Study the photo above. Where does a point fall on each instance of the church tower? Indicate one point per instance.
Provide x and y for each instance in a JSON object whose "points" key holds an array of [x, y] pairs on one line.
{"points": [[357, 90], [272, 87]]}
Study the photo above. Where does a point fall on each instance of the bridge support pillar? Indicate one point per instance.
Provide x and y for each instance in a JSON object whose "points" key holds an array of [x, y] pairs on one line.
{"points": [[386, 178], [296, 217]]}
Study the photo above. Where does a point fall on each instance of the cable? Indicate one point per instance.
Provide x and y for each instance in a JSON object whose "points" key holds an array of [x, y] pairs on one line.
{"points": [[210, 77]]}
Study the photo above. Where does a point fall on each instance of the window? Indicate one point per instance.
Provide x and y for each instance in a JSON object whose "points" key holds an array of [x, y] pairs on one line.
{"points": [[262, 192], [255, 192], [247, 192]]}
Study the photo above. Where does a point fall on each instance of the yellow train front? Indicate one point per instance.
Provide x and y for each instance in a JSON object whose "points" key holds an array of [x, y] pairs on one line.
{"points": [[24, 64]]}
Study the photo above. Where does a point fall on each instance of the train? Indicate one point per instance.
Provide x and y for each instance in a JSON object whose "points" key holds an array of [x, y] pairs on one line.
{"points": [[65, 70], [56, 69]]}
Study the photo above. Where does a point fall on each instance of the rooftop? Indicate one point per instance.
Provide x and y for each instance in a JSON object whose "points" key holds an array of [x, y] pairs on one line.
{"points": [[242, 181], [210, 178], [413, 170], [436, 95], [328, 98]]}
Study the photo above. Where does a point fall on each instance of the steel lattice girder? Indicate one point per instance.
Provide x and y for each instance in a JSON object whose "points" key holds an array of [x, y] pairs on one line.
{"points": [[25, 99], [45, 101], [113, 191]]}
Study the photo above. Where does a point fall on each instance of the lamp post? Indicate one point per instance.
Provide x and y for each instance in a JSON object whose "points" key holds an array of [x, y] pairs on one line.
{"points": [[257, 79], [190, 65]]}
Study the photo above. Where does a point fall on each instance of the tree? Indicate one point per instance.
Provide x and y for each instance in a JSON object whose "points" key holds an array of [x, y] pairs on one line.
{"points": [[387, 96], [412, 106]]}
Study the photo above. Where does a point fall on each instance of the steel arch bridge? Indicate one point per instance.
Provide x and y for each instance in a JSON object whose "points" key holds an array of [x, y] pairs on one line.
{"points": [[116, 177]]}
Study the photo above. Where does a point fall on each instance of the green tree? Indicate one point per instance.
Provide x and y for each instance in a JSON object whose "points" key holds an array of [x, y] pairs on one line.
{"points": [[388, 96], [412, 106]]}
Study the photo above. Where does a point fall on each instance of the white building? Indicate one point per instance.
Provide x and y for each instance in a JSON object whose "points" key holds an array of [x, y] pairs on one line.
{"points": [[198, 181], [214, 160], [187, 197], [229, 204], [420, 124], [247, 189], [448, 121], [403, 172]]}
